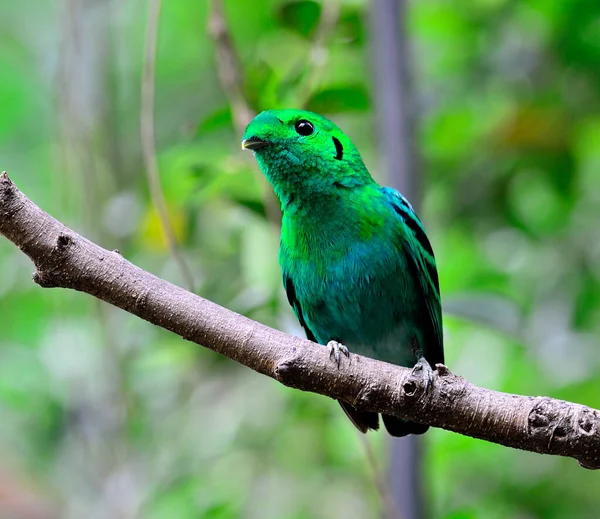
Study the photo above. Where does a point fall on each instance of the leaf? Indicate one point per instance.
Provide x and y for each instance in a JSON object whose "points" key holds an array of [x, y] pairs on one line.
{"points": [[256, 206], [217, 120], [300, 16], [351, 27], [339, 99]]}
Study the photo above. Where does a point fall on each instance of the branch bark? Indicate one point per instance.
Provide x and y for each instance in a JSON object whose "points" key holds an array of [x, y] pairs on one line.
{"points": [[65, 259]]}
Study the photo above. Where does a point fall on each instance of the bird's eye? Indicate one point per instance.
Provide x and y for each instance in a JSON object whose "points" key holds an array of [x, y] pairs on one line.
{"points": [[304, 127]]}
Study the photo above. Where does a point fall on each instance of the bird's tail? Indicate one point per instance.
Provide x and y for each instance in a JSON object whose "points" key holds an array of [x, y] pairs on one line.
{"points": [[362, 420], [365, 420], [399, 427]]}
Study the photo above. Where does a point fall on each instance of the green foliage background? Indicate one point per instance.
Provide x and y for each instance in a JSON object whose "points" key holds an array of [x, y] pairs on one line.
{"points": [[103, 415]]}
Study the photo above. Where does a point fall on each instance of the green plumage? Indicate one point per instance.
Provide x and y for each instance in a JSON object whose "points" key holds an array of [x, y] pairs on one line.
{"points": [[357, 266]]}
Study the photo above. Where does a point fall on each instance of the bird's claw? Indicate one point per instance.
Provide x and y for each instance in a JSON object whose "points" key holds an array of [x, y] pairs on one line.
{"points": [[427, 372], [336, 350]]}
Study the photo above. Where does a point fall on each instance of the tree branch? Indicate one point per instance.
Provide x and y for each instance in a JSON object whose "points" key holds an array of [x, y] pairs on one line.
{"points": [[65, 259]]}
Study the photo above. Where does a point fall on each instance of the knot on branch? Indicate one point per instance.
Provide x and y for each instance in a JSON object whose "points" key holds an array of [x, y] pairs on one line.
{"points": [[288, 369], [411, 387], [560, 425], [442, 370], [63, 241], [53, 262], [421, 381], [298, 372], [8, 190], [549, 419], [588, 422]]}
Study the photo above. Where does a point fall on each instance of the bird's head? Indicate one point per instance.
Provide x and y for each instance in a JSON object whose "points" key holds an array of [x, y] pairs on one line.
{"points": [[303, 152]]}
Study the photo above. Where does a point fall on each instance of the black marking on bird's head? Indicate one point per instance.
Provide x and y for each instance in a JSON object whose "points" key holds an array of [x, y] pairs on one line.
{"points": [[339, 149]]}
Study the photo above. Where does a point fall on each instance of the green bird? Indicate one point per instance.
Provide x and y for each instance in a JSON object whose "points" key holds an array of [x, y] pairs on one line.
{"points": [[357, 266]]}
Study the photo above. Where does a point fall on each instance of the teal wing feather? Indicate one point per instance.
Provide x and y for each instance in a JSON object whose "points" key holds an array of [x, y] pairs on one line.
{"points": [[290, 291], [415, 244]]}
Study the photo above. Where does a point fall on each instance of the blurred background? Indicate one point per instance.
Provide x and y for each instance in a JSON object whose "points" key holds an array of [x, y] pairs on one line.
{"points": [[105, 416]]}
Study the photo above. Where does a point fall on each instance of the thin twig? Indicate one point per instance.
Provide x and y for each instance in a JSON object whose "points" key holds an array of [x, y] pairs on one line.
{"points": [[381, 485], [148, 142], [232, 81], [318, 57], [229, 69]]}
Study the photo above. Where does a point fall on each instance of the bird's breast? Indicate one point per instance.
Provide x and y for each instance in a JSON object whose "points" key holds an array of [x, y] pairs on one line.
{"points": [[358, 296]]}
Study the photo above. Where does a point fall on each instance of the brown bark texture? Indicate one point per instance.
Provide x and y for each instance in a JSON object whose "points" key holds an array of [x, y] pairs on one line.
{"points": [[65, 259]]}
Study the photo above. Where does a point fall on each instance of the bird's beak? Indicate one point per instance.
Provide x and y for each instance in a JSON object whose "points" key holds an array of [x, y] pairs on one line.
{"points": [[254, 143]]}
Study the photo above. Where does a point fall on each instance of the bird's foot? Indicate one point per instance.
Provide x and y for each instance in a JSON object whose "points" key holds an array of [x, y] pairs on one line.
{"points": [[336, 350], [427, 372]]}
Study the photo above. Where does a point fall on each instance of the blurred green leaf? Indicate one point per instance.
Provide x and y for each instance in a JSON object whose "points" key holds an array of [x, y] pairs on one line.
{"points": [[339, 99], [301, 16], [216, 120]]}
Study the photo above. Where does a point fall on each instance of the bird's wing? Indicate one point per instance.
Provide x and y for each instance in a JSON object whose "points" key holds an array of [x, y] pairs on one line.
{"points": [[415, 244], [295, 304]]}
